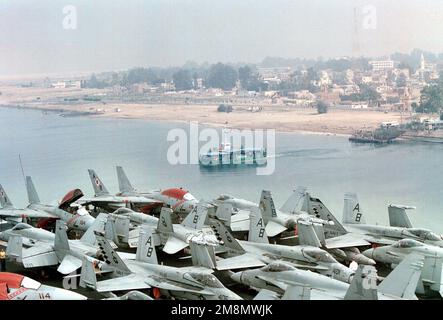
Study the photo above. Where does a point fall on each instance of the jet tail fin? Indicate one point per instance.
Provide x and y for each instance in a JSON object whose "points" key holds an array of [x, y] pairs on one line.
{"points": [[363, 285], [202, 255], [98, 225], [88, 278], [307, 234], [196, 218], [352, 212], [15, 247], [431, 275], [97, 184], [121, 228], [267, 206], [295, 201], [257, 228], [164, 221], [398, 216], [32, 192], [402, 281], [61, 243], [124, 184], [223, 234], [224, 213], [146, 246], [110, 230], [315, 207], [110, 255], [4, 199]]}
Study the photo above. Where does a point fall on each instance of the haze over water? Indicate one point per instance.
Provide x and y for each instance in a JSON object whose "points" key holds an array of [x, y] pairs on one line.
{"points": [[57, 151]]}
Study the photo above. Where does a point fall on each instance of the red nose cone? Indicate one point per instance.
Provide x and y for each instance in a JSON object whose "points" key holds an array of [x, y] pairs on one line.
{"points": [[13, 280], [70, 197], [175, 193]]}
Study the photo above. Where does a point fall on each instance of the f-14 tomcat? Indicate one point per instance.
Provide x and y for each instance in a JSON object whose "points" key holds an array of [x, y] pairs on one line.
{"points": [[257, 251], [41, 212], [276, 221], [17, 287], [10, 213], [178, 199], [35, 247], [195, 282], [355, 232], [173, 237], [81, 220], [279, 276], [431, 275], [103, 199]]}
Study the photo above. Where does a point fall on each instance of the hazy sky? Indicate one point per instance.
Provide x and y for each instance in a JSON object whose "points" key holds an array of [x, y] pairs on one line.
{"points": [[119, 34]]}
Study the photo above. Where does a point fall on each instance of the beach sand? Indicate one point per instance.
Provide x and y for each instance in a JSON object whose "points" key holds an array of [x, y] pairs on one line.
{"points": [[280, 118]]}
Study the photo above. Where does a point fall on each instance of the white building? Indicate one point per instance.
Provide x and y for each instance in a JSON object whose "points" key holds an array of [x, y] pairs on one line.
{"points": [[378, 65]]}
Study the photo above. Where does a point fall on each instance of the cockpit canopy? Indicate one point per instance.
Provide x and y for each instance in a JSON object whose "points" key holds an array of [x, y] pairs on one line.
{"points": [[223, 197], [317, 254], [278, 267], [206, 279], [425, 234], [407, 243], [122, 211], [21, 226]]}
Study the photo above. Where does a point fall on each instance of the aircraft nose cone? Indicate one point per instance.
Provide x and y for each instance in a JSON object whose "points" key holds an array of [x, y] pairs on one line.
{"points": [[369, 253], [237, 276], [370, 262]]}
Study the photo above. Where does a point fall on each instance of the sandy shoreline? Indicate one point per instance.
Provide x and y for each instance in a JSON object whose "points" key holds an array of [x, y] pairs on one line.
{"points": [[288, 119]]}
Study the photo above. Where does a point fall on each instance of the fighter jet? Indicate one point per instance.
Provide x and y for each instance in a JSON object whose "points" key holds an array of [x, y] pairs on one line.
{"points": [[257, 251], [34, 247], [431, 276], [103, 199], [313, 234], [196, 282], [280, 277], [81, 220], [17, 287], [290, 206], [237, 203], [276, 221], [355, 232], [9, 213], [174, 237], [178, 199]]}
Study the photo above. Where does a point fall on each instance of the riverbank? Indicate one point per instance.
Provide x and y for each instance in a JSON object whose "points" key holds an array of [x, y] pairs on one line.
{"points": [[279, 117]]}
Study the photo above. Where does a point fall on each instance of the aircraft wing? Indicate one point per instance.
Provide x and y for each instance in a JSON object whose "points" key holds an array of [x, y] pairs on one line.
{"points": [[174, 286], [69, 264], [347, 240], [379, 240], [40, 255], [129, 282], [265, 294], [273, 282], [174, 245], [273, 229], [28, 213], [100, 199], [240, 262]]}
